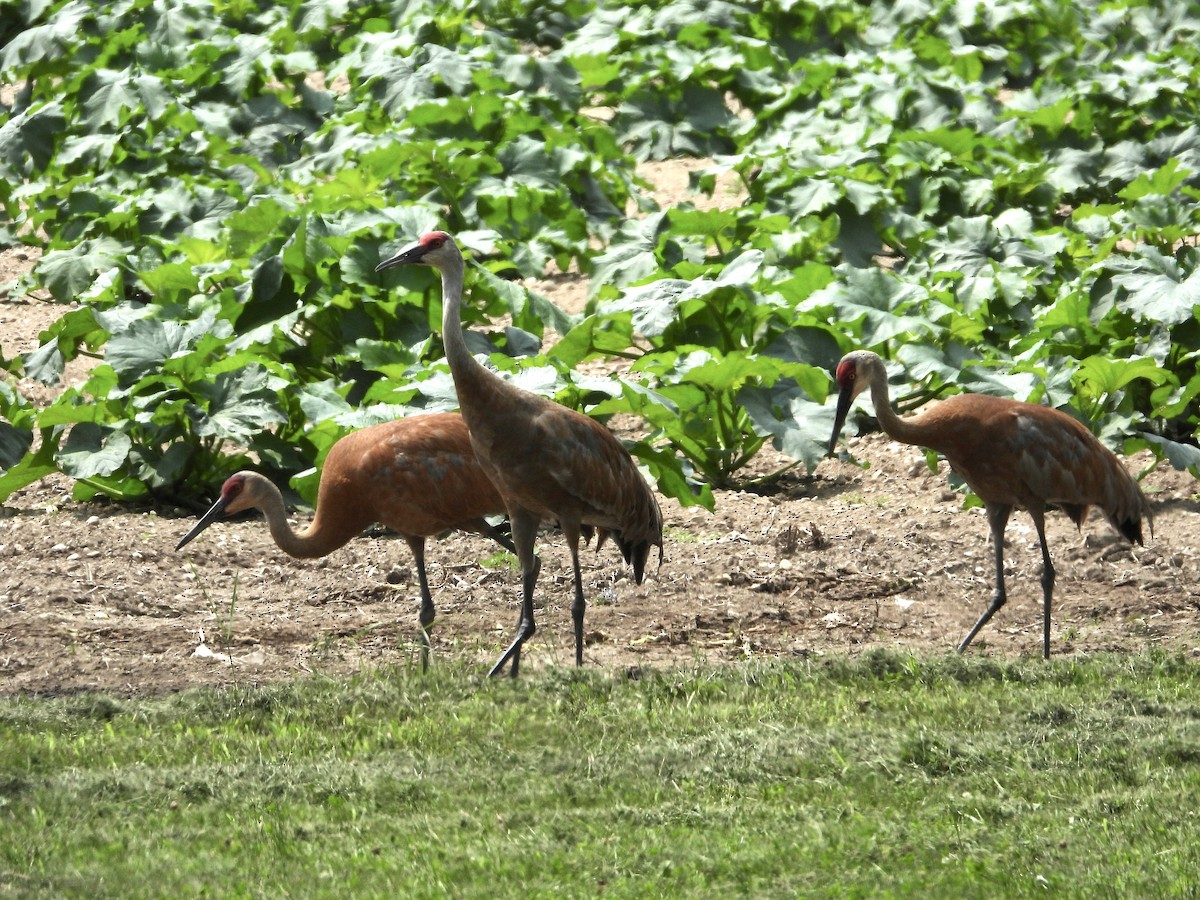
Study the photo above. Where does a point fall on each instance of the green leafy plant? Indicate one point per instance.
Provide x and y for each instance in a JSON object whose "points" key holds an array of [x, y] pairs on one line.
{"points": [[999, 199]]}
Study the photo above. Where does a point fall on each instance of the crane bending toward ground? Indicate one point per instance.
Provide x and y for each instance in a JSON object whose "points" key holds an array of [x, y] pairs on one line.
{"points": [[549, 463], [1013, 455], [418, 476]]}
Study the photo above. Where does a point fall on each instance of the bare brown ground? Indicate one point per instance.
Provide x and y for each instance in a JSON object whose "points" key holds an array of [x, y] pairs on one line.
{"points": [[94, 597]]}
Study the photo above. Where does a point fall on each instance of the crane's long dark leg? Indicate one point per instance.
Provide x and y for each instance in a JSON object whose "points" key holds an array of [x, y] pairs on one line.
{"points": [[997, 514], [499, 537], [428, 612], [580, 605], [1039, 522], [524, 532], [503, 540]]}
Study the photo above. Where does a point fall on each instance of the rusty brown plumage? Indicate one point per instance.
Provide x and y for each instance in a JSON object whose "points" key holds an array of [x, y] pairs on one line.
{"points": [[418, 476], [1014, 455], [549, 463]]}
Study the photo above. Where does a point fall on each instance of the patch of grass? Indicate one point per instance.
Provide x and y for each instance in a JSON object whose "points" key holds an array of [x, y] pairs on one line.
{"points": [[885, 774], [501, 559], [674, 535], [680, 535], [221, 613]]}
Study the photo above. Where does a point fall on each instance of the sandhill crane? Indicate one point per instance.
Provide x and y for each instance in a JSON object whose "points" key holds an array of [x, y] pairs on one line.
{"points": [[1013, 455], [549, 463], [418, 476]]}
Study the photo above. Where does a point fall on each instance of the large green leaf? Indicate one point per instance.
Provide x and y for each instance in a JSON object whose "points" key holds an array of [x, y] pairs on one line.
{"points": [[49, 41], [631, 256], [31, 468], [68, 273], [1180, 455], [110, 98], [607, 334], [240, 405], [92, 449], [528, 308], [799, 426], [1157, 288], [14, 444], [27, 140], [876, 301], [143, 347]]}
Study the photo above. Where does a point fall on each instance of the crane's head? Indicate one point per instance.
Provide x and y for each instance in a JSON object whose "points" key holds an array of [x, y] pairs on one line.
{"points": [[853, 375], [235, 497], [435, 249]]}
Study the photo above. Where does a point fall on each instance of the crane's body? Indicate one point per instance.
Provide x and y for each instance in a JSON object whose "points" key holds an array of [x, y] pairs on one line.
{"points": [[548, 462], [1013, 455], [418, 476]]}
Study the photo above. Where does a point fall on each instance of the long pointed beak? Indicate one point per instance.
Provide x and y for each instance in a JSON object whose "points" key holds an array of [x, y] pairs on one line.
{"points": [[845, 398], [214, 512], [409, 255]]}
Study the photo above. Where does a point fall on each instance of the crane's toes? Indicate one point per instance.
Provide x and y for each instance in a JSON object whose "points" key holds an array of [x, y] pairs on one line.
{"points": [[513, 653]]}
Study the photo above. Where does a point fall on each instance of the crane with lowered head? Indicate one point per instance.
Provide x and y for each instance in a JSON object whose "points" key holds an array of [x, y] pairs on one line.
{"points": [[1014, 455], [417, 476]]}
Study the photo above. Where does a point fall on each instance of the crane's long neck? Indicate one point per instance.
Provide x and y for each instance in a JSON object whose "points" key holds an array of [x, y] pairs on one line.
{"points": [[476, 386], [907, 431], [457, 354], [311, 543]]}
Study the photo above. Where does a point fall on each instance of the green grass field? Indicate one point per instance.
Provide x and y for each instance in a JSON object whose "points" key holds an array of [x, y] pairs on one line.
{"points": [[885, 775]]}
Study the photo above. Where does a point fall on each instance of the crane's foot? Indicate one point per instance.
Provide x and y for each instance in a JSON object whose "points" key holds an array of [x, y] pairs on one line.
{"points": [[578, 639], [424, 645], [425, 622], [1047, 602], [998, 600], [502, 662], [513, 653]]}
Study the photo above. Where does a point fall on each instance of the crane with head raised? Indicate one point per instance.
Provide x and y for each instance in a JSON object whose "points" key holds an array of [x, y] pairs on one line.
{"points": [[549, 463], [417, 476], [1014, 455]]}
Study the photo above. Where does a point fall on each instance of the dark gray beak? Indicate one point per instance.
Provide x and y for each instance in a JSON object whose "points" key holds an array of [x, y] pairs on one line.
{"points": [[214, 512], [845, 398], [406, 257]]}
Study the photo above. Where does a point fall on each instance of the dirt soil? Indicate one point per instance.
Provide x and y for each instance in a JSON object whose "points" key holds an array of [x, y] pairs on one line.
{"points": [[95, 597]]}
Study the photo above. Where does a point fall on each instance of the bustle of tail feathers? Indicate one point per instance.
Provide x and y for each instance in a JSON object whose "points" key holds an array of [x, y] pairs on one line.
{"points": [[637, 554], [1129, 528], [1136, 514], [1075, 512], [1132, 530]]}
